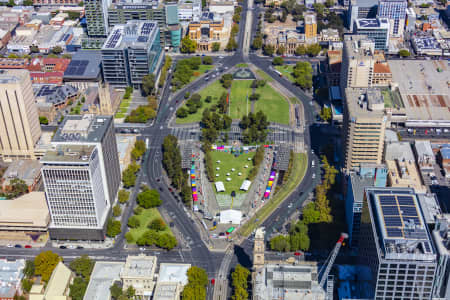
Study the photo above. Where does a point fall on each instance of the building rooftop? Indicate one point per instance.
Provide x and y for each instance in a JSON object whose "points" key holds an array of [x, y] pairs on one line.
{"points": [[167, 291], [102, 278], [424, 88], [58, 282], [400, 227], [424, 150], [28, 210], [169, 272], [85, 128], [430, 207], [288, 282], [56, 95], [135, 33], [358, 46], [379, 23], [27, 170], [85, 65], [63, 153], [139, 266], [13, 76], [10, 277], [363, 103]]}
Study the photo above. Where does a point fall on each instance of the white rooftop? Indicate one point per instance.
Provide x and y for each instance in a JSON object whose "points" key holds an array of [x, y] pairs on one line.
{"points": [[171, 272], [102, 278]]}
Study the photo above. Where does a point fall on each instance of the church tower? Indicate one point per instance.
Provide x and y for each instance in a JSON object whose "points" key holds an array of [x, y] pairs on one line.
{"points": [[258, 249]]}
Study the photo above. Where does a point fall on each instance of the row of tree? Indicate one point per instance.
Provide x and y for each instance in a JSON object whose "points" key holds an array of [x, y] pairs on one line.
{"points": [[239, 279], [197, 282], [117, 293], [302, 74], [129, 175], [213, 123], [297, 239], [172, 160], [138, 150], [232, 44], [257, 159], [184, 70], [255, 127], [164, 70]]}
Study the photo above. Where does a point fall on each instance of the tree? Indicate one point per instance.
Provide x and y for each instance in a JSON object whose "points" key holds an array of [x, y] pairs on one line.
{"points": [[123, 196], [239, 278], [313, 50], [300, 50], [303, 74], [11, 3], [29, 268], [188, 45], [45, 262], [215, 46], [182, 112], [197, 276], [166, 241], [28, 3], [278, 61], [268, 50], [148, 84], [236, 18], [152, 102], [113, 228], [139, 149], [279, 243], [117, 210], [193, 292], [129, 175], [129, 237], [138, 210], [57, 50], [281, 50], [141, 114], [78, 288], [157, 224], [254, 97], [82, 266], [81, 3], [404, 53], [231, 45], [325, 114], [257, 42], [207, 60], [309, 214], [26, 284], [149, 198], [130, 292], [116, 291], [329, 3], [133, 222]]}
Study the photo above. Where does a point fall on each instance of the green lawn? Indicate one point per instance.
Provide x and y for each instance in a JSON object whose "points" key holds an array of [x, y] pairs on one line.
{"points": [[242, 65], [286, 70], [145, 218], [214, 90], [298, 172], [274, 105], [228, 162], [264, 75], [238, 98]]}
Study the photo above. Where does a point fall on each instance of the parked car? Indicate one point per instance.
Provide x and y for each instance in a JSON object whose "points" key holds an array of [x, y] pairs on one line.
{"points": [[10, 245], [28, 246], [17, 246], [72, 247], [80, 247], [62, 247]]}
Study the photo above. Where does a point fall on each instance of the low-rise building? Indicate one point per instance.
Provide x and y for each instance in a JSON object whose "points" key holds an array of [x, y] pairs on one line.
{"points": [[58, 96], [426, 44], [444, 160], [139, 272], [334, 67], [58, 287], [210, 29], [125, 144], [167, 291], [189, 10], [424, 155], [84, 69], [382, 75], [27, 170], [402, 167], [24, 215], [11, 274], [103, 276], [329, 35], [22, 41], [221, 6]]}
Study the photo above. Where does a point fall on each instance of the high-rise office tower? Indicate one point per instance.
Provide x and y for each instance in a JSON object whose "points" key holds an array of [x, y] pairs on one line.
{"points": [[441, 235], [396, 245], [376, 30], [364, 127], [130, 52], [81, 175], [395, 11], [310, 27], [19, 120], [361, 9], [97, 17]]}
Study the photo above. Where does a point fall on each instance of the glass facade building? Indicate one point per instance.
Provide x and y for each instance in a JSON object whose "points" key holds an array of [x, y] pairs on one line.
{"points": [[376, 30]]}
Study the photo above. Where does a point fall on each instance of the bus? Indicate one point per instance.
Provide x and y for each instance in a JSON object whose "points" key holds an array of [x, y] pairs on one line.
{"points": [[279, 73], [230, 230]]}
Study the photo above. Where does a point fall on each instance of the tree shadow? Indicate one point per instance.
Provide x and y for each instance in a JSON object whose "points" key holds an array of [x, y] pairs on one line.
{"points": [[243, 257]]}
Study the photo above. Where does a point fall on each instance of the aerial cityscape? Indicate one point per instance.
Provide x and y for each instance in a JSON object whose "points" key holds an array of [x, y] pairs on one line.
{"points": [[218, 149]]}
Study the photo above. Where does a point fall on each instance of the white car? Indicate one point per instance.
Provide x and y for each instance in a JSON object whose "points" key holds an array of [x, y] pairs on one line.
{"points": [[72, 247], [10, 245], [313, 176]]}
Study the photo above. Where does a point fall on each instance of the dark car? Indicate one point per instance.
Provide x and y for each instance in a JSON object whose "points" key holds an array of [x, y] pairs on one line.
{"points": [[222, 234], [17, 246], [62, 247], [80, 247], [171, 224]]}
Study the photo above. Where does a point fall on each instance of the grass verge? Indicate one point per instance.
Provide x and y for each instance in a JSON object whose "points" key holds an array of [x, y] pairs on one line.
{"points": [[264, 75], [242, 65], [298, 172], [145, 218], [286, 70]]}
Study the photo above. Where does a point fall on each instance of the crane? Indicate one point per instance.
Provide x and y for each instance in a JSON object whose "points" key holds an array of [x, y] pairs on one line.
{"points": [[325, 270]]}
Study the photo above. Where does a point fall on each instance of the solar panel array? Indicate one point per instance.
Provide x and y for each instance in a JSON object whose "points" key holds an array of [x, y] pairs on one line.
{"points": [[113, 39], [45, 90], [76, 67], [142, 39], [147, 28], [401, 217]]}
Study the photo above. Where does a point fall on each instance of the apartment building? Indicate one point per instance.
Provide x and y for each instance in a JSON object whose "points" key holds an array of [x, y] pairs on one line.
{"points": [[19, 120], [96, 12], [130, 52]]}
